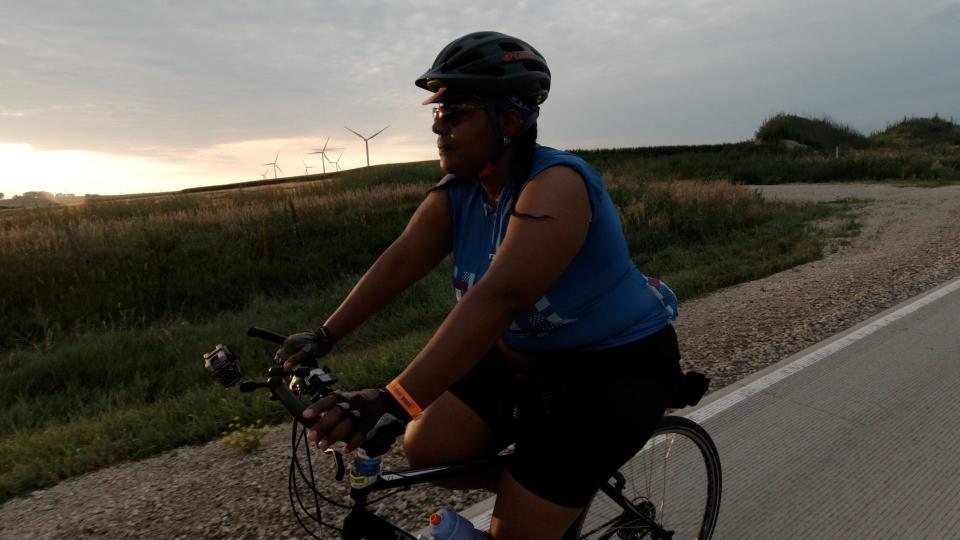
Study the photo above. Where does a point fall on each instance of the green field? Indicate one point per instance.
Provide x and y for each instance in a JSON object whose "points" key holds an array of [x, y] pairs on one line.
{"points": [[106, 307]]}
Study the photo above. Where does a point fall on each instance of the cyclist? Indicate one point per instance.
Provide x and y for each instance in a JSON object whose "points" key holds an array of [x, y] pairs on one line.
{"points": [[557, 343]]}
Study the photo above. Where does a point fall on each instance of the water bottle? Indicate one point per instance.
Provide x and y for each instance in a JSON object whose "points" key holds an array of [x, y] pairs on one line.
{"points": [[448, 525], [365, 470]]}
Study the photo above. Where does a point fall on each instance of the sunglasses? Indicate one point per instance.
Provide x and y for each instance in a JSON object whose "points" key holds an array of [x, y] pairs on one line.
{"points": [[448, 111]]}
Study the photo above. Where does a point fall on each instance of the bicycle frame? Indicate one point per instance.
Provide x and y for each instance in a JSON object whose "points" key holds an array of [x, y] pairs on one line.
{"points": [[360, 523], [640, 520]]}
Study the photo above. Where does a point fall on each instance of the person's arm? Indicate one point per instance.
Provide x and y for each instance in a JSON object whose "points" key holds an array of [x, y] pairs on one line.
{"points": [[533, 255], [425, 241]]}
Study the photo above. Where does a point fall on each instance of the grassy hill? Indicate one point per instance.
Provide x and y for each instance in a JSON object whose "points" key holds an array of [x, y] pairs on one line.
{"points": [[819, 133], [932, 132], [106, 307], [791, 148]]}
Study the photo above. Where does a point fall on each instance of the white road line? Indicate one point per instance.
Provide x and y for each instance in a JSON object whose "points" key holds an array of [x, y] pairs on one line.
{"points": [[714, 408]]}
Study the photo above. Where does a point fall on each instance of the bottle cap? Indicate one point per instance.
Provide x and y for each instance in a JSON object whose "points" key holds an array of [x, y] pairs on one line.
{"points": [[435, 518]]}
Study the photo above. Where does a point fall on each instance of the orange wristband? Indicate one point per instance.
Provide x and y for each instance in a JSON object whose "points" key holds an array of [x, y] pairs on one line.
{"points": [[404, 399]]}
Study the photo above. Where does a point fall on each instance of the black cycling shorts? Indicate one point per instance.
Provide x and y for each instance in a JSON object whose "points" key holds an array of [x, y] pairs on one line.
{"points": [[580, 416]]}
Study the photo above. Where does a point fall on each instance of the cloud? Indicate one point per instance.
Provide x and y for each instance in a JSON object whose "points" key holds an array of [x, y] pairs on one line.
{"points": [[5, 113], [165, 79]]}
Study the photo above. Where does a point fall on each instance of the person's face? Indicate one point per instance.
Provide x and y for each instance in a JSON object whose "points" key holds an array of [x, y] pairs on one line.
{"points": [[464, 136]]}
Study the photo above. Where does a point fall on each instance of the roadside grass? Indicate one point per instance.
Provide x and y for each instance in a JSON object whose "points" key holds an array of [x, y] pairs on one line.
{"points": [[96, 381], [119, 264], [92, 403], [702, 236], [932, 183]]}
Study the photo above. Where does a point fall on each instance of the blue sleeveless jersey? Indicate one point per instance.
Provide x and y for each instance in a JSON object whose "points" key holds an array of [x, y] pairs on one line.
{"points": [[600, 301]]}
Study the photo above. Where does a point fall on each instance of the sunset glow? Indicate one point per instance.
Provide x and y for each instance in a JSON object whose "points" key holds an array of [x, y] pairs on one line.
{"points": [[25, 168], [81, 172]]}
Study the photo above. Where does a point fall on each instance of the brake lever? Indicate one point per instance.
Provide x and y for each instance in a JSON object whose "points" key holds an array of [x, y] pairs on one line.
{"points": [[255, 331], [317, 380], [341, 468]]}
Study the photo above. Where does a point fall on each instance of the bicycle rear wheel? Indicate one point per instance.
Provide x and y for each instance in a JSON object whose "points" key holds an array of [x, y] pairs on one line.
{"points": [[670, 489]]}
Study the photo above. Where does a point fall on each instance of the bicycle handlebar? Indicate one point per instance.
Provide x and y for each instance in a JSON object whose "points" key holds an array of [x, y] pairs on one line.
{"points": [[317, 382], [290, 401], [255, 331]]}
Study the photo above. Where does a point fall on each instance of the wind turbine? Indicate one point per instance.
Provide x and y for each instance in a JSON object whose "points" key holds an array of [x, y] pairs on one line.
{"points": [[366, 140], [306, 167], [323, 154], [264, 174], [275, 166], [337, 162]]}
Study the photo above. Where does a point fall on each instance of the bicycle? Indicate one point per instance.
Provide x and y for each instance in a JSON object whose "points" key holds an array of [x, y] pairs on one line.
{"points": [[632, 504]]}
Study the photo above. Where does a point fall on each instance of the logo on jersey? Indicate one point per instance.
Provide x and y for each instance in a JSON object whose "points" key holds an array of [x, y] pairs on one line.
{"points": [[540, 321], [462, 281]]}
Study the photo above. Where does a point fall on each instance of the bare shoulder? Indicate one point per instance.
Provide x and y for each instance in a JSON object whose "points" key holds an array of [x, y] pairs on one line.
{"points": [[446, 179], [556, 191], [432, 219], [434, 206]]}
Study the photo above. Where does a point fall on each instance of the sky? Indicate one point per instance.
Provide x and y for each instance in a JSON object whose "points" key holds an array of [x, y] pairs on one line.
{"points": [[114, 96]]}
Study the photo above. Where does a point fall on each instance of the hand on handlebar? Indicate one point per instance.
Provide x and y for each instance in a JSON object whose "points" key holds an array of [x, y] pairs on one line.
{"points": [[303, 349], [349, 416]]}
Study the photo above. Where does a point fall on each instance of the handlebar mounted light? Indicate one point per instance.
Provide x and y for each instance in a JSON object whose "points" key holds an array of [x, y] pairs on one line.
{"points": [[222, 365]]}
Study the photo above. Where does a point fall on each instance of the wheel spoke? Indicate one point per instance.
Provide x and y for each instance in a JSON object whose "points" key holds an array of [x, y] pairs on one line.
{"points": [[679, 459]]}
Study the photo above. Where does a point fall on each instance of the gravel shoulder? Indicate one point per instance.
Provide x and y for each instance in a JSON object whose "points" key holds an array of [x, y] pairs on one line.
{"points": [[909, 242]]}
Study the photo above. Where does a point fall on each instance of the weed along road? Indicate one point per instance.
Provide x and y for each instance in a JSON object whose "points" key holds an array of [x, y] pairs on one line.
{"points": [[857, 436]]}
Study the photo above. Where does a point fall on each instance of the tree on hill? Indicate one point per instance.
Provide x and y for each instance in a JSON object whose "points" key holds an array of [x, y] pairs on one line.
{"points": [[45, 195], [821, 133], [912, 132]]}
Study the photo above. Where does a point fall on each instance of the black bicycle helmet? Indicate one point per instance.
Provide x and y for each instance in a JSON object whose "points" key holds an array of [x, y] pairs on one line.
{"points": [[491, 65]]}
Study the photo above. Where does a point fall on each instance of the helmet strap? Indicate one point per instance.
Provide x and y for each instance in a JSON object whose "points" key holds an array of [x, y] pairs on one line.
{"points": [[499, 141], [529, 122]]}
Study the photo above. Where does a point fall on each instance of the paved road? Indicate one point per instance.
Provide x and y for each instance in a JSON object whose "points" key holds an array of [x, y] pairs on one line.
{"points": [[856, 437]]}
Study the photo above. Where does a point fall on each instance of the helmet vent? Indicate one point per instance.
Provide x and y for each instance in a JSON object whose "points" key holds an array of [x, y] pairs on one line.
{"points": [[452, 52], [462, 60], [533, 66], [491, 71], [491, 65]]}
